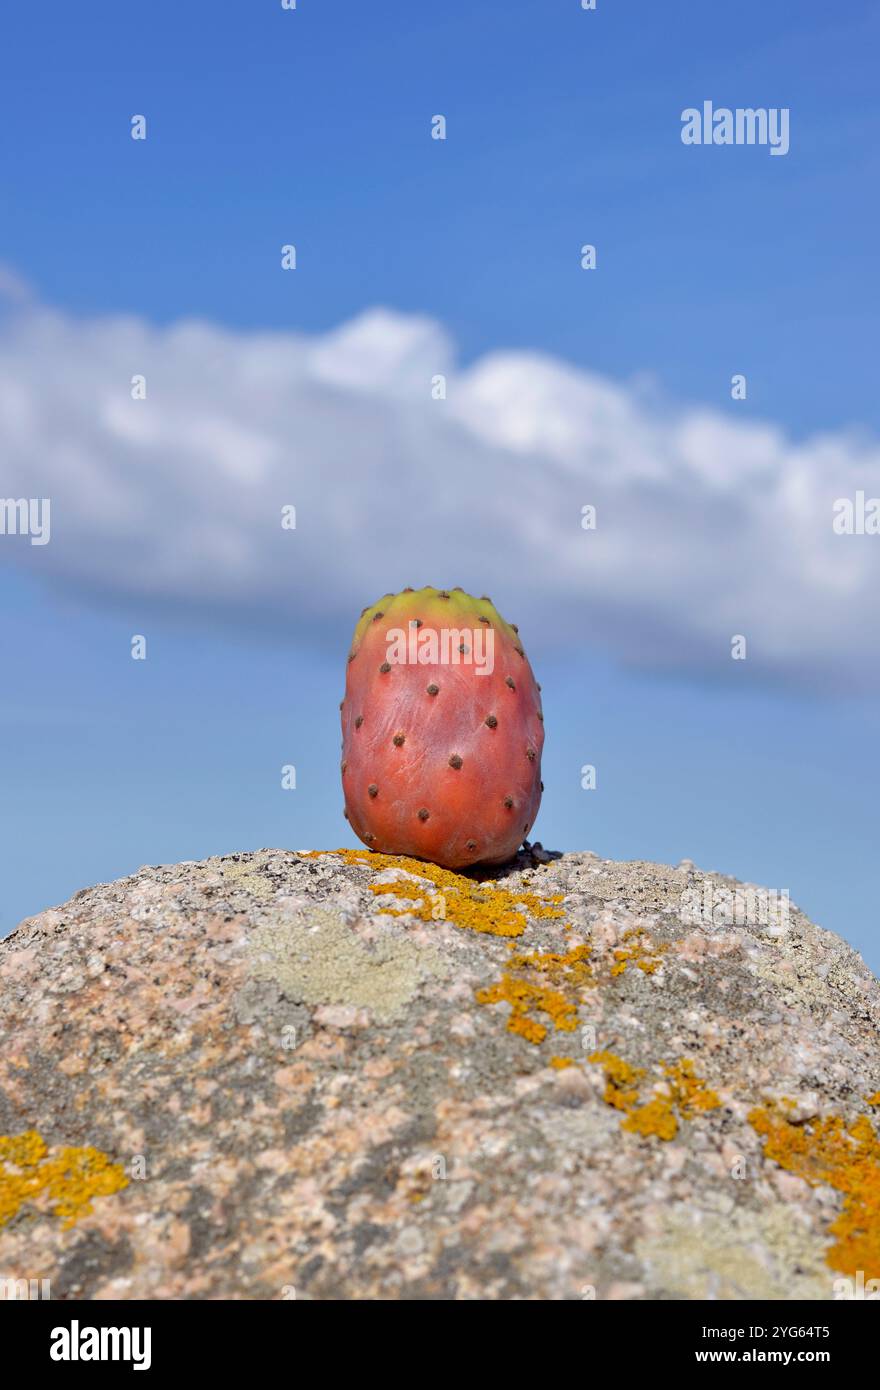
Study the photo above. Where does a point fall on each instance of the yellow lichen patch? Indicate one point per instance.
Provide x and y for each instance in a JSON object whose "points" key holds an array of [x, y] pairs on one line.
{"points": [[24, 1150], [526, 999], [690, 1093], [657, 1117], [636, 948], [560, 1063], [847, 1158], [465, 902], [874, 1099], [547, 983], [621, 1080], [568, 967], [69, 1177], [685, 1095]]}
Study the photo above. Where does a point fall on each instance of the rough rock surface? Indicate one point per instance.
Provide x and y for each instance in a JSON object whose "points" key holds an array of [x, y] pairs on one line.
{"points": [[309, 1096]]}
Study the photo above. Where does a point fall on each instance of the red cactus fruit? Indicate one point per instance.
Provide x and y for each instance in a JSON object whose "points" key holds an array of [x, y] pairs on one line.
{"points": [[441, 730]]}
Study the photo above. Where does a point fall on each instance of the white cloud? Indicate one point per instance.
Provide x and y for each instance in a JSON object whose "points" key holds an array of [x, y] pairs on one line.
{"points": [[707, 526]]}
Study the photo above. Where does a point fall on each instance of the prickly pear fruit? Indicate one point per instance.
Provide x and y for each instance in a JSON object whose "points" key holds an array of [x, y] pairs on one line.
{"points": [[441, 730]]}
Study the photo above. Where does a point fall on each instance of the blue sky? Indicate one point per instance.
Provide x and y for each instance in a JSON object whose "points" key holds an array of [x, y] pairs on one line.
{"points": [[267, 126]]}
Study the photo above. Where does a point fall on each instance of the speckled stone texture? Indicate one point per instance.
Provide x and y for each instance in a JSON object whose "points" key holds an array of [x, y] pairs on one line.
{"points": [[321, 1108]]}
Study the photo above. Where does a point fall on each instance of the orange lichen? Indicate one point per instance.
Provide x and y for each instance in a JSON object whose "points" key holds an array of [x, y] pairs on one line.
{"points": [[636, 948], [525, 999], [621, 1080], [847, 1158], [685, 1095], [24, 1150], [548, 983], [560, 1063], [874, 1099], [656, 1117], [465, 902], [69, 1177], [570, 967], [689, 1092]]}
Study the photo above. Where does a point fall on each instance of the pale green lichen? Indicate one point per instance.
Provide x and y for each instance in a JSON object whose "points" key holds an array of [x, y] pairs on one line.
{"points": [[316, 957], [243, 873], [696, 1253]]}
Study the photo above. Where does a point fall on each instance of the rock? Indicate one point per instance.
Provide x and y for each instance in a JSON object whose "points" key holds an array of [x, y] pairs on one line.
{"points": [[255, 1077]]}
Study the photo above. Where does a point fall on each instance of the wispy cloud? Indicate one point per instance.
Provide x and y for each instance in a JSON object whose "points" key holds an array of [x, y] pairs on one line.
{"points": [[706, 526]]}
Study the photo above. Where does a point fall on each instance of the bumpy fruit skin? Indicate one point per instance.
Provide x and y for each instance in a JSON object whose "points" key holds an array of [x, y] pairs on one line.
{"points": [[439, 762]]}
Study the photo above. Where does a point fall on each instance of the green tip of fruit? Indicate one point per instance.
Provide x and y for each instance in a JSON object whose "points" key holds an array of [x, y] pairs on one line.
{"points": [[453, 606]]}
